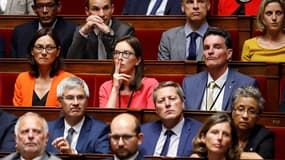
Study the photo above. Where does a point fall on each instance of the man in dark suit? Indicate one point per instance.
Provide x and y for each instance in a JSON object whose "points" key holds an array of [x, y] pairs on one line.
{"points": [[185, 42], [7, 142], [31, 136], [145, 7], [197, 89], [172, 130], [96, 38], [125, 137], [76, 132], [46, 11]]}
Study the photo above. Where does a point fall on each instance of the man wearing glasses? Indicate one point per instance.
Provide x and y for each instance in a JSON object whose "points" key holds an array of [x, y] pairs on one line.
{"points": [[46, 11], [76, 132], [125, 137], [95, 39], [247, 106]]}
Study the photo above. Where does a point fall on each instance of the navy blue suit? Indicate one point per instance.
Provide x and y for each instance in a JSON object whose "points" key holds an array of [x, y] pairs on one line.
{"points": [[93, 136], [7, 124], [2, 48], [139, 157], [22, 35], [152, 131], [139, 7], [194, 87]]}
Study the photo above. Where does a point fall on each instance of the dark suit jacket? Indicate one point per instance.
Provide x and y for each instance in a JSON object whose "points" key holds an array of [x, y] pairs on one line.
{"points": [[194, 88], [7, 124], [152, 131], [261, 141], [17, 155], [22, 35], [87, 48], [139, 7], [2, 48], [93, 137]]}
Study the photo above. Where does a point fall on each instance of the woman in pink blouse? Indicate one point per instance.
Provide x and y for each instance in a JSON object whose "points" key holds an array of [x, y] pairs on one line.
{"points": [[129, 88]]}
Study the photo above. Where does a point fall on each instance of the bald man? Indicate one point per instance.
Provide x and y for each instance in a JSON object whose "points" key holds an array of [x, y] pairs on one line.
{"points": [[125, 137]]}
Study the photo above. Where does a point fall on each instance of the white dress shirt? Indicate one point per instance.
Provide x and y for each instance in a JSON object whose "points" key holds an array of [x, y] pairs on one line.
{"points": [[75, 135]]}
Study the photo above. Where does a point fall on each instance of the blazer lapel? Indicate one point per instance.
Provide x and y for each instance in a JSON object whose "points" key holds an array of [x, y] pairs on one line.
{"points": [[156, 133], [84, 134], [200, 89], [181, 43], [228, 91], [184, 137]]}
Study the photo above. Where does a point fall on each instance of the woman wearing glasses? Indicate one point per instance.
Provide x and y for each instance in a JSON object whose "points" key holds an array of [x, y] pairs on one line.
{"points": [[129, 88], [247, 106], [37, 87]]}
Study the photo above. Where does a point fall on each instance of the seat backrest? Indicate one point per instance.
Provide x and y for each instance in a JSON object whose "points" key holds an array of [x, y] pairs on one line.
{"points": [[7, 35], [279, 142], [99, 80], [150, 40], [90, 81], [7, 83]]}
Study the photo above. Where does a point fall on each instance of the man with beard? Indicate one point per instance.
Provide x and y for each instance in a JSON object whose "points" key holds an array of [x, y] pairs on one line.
{"points": [[31, 136], [125, 137], [172, 135], [76, 132], [46, 11]]}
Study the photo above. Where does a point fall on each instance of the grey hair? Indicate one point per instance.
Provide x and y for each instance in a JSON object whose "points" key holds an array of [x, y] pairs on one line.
{"points": [[71, 82]]}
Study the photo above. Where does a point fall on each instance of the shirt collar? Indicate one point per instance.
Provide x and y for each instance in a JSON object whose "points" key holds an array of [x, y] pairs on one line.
{"points": [[221, 80], [76, 127], [131, 158], [176, 129], [201, 31]]}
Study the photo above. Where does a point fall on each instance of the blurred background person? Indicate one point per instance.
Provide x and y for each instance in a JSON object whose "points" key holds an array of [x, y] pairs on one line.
{"points": [[31, 136], [270, 44], [47, 17], [37, 87], [125, 137], [76, 132], [152, 7], [217, 139], [8, 121], [129, 88], [16, 7], [238, 7], [247, 106]]}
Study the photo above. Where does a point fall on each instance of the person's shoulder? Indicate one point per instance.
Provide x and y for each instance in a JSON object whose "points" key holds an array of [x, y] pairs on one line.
{"points": [[149, 81], [52, 157], [151, 124], [174, 30], [25, 25], [250, 40], [193, 122], [55, 122], [195, 76], [24, 76], [119, 22], [239, 75], [62, 20], [5, 116], [95, 121]]}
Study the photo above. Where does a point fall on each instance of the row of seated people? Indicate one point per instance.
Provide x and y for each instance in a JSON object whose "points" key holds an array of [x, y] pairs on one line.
{"points": [[128, 66], [181, 43], [138, 7], [128, 75], [239, 133]]}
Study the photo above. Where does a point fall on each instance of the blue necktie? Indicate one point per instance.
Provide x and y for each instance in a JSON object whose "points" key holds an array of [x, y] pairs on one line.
{"points": [[164, 151], [155, 7], [70, 135], [192, 46]]}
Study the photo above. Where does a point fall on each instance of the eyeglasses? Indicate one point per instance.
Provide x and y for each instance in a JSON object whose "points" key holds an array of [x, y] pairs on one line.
{"points": [[125, 137], [41, 6], [125, 54], [241, 110], [48, 48], [71, 98]]}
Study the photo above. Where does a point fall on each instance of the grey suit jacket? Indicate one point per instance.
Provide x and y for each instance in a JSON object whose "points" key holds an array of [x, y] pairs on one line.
{"points": [[173, 45], [17, 156], [87, 48], [19, 7]]}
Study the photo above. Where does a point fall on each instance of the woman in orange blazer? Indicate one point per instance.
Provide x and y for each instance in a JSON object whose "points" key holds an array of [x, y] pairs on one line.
{"points": [[37, 87]]}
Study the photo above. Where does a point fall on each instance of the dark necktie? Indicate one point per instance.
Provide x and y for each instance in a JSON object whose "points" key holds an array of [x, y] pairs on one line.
{"points": [[168, 135], [70, 135], [155, 7], [192, 46]]}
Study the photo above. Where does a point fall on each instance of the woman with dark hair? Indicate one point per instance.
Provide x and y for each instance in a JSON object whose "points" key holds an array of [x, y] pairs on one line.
{"points": [[270, 44], [37, 87], [129, 88], [217, 139]]}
